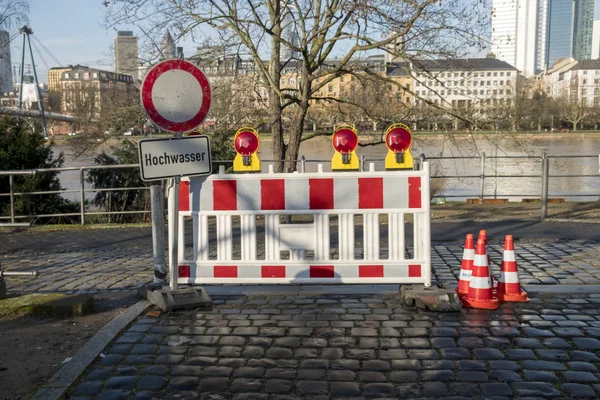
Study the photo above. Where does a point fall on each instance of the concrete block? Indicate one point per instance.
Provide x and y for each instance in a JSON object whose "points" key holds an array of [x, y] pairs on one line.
{"points": [[168, 300], [435, 298]]}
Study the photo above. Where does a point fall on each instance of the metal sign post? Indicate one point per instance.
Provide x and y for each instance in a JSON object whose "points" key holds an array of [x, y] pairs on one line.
{"points": [[176, 97]]}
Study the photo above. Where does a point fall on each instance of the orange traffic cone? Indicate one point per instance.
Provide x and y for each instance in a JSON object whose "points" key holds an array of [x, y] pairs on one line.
{"points": [[483, 235], [509, 287], [466, 267], [480, 287]]}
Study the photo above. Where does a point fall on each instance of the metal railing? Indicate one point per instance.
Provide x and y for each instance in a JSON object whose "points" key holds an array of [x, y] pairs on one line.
{"points": [[544, 177]]}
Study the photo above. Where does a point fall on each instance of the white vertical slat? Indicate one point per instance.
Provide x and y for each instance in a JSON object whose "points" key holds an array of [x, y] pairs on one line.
{"points": [[371, 236], [181, 238], [396, 236], [248, 237], [321, 237], [224, 239], [346, 236], [201, 241], [272, 252], [297, 254]]}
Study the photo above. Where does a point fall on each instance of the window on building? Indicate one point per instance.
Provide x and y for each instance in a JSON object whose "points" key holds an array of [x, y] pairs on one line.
{"points": [[494, 91], [462, 74], [442, 92], [66, 75], [330, 88], [481, 92], [501, 73], [86, 75], [585, 72], [508, 74], [456, 74], [95, 75], [489, 83], [495, 74], [462, 92], [283, 81], [76, 75]]}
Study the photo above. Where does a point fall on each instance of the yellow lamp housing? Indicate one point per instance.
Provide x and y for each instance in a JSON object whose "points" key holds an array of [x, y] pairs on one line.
{"points": [[345, 141], [398, 139], [246, 143]]}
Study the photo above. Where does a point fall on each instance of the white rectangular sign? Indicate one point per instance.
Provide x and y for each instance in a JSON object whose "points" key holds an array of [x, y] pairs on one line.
{"points": [[167, 158]]}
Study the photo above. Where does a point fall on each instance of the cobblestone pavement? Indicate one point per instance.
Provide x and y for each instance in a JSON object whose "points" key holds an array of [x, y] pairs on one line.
{"points": [[332, 347], [114, 269]]}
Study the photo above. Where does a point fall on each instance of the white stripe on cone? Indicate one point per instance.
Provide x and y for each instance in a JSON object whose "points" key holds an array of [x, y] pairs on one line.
{"points": [[509, 255], [480, 260], [480, 283], [509, 277], [469, 254]]}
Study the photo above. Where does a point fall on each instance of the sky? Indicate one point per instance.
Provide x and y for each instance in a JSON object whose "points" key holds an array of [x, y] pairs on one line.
{"points": [[72, 31]]}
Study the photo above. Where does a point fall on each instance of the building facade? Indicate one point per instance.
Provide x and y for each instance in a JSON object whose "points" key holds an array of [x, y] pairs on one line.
{"points": [[90, 90], [575, 80], [126, 54], [464, 84], [6, 81]]}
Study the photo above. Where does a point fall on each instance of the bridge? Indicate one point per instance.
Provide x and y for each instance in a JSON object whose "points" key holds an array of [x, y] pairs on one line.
{"points": [[35, 113]]}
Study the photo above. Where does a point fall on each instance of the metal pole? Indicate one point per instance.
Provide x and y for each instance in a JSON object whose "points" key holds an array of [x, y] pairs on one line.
{"points": [[158, 232], [362, 163], [482, 176], [422, 159], [545, 178], [173, 226], [22, 71], [302, 164], [11, 185], [82, 194], [37, 88]]}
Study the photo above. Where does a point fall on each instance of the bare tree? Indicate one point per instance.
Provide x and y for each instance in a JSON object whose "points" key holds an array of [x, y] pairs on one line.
{"points": [[13, 13], [347, 30], [572, 109]]}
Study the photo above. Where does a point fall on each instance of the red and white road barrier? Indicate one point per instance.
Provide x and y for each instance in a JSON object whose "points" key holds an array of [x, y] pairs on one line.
{"points": [[320, 195]]}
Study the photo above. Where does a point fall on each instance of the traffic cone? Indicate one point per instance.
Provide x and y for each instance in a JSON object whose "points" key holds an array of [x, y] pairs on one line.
{"points": [[466, 267], [480, 287], [483, 235], [509, 287]]}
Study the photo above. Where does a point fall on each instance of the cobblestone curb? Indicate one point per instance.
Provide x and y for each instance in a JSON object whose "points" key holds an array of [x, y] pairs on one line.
{"points": [[60, 382]]}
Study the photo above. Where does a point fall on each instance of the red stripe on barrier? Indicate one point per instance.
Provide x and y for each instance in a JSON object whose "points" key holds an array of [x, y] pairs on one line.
{"points": [[184, 271], [321, 271], [321, 194], [222, 271], [272, 194], [370, 192], [414, 271], [184, 196], [224, 195], [414, 192], [273, 271], [370, 271]]}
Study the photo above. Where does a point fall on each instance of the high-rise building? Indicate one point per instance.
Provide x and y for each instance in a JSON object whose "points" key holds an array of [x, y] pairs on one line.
{"points": [[515, 33], [561, 19], [126, 53], [533, 34], [6, 83], [168, 49], [596, 40], [583, 26]]}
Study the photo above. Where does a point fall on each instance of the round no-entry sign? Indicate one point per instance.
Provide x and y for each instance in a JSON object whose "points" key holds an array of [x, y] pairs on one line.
{"points": [[176, 95]]}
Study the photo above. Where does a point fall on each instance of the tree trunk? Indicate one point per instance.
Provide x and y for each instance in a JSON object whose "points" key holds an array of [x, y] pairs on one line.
{"points": [[275, 108], [574, 126], [293, 147], [539, 125]]}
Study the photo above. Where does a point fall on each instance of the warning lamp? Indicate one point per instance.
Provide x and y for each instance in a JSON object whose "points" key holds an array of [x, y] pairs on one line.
{"points": [[345, 142], [398, 139], [246, 145]]}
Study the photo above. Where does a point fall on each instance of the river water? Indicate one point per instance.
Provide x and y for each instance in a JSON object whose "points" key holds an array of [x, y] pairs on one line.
{"points": [[585, 188]]}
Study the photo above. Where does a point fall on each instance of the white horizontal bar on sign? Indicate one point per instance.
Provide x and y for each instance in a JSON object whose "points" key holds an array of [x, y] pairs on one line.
{"points": [[394, 263]]}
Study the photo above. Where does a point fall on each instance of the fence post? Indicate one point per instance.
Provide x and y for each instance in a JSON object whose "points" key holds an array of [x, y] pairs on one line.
{"points": [[11, 184], [421, 161], [302, 164], [82, 194], [362, 163], [482, 178], [158, 231], [545, 178]]}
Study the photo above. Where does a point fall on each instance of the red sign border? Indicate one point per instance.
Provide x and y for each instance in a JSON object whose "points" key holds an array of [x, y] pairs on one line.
{"points": [[152, 112]]}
